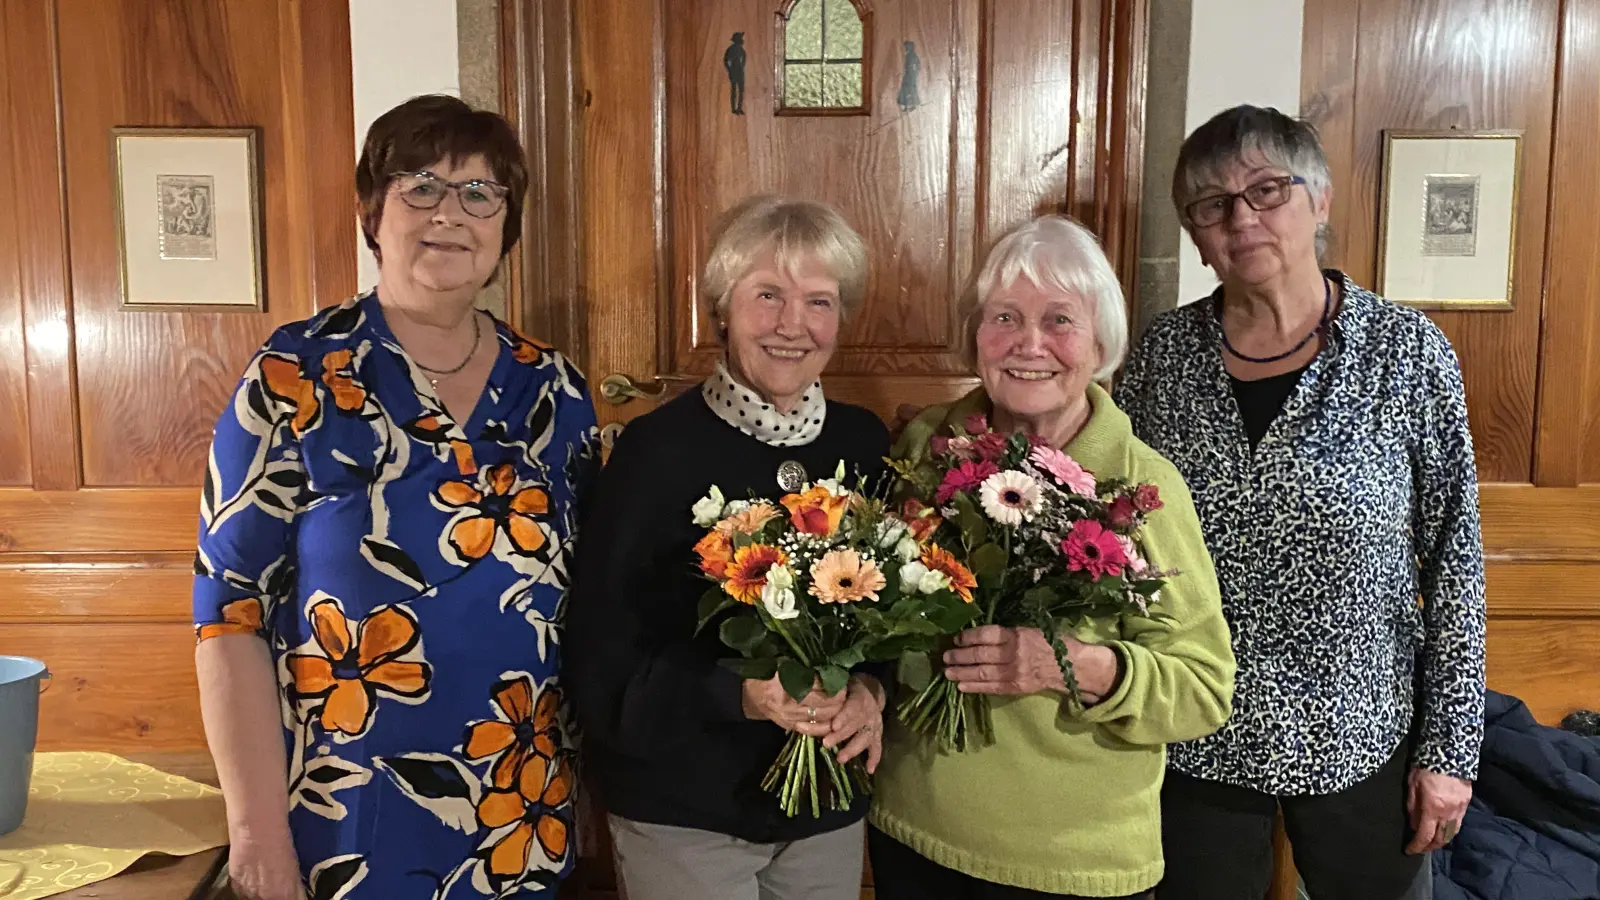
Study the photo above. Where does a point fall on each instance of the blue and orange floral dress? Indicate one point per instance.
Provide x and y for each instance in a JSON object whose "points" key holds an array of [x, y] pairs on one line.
{"points": [[408, 574]]}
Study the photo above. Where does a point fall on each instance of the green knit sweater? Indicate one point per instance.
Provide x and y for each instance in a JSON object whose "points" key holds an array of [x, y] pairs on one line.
{"points": [[1066, 800]]}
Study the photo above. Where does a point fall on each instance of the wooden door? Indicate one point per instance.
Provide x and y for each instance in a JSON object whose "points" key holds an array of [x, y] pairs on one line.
{"points": [[1010, 108]]}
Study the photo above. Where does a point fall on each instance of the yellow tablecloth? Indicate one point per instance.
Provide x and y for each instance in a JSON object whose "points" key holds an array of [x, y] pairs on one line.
{"points": [[91, 815]]}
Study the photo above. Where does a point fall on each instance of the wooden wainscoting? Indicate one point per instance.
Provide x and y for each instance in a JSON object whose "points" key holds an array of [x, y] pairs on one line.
{"points": [[106, 413]]}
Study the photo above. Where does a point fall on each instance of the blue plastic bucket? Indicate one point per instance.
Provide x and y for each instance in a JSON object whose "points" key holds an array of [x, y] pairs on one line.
{"points": [[21, 681]]}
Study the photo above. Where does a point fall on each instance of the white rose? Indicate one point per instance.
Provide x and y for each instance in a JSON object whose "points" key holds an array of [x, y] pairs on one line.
{"points": [[907, 548], [933, 582], [835, 485], [708, 509], [889, 532], [911, 575], [735, 507], [781, 577], [779, 601]]}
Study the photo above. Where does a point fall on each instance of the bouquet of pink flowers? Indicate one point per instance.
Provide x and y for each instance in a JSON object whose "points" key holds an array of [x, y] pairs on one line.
{"points": [[1047, 544], [815, 584]]}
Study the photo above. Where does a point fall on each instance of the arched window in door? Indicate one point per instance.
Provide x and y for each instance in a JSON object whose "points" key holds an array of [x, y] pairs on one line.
{"points": [[826, 65]]}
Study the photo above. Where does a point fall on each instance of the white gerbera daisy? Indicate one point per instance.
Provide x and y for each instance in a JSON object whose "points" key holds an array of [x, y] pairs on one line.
{"points": [[1009, 497]]}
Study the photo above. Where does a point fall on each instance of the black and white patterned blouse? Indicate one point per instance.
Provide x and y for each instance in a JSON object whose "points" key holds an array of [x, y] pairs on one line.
{"points": [[1360, 499]]}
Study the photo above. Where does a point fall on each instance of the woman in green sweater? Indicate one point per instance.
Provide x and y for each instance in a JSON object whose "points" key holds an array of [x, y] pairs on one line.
{"points": [[1066, 799]]}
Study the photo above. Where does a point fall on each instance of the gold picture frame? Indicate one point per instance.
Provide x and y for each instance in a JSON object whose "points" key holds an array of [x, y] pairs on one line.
{"points": [[189, 218], [1447, 235]]}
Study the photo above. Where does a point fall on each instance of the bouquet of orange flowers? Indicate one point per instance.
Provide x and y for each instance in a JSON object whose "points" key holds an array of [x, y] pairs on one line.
{"points": [[814, 582], [1047, 544]]}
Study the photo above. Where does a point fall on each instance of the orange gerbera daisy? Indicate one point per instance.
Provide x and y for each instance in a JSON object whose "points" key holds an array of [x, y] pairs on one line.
{"points": [[238, 617], [524, 729], [747, 573], [817, 511], [354, 671], [748, 520], [938, 559], [842, 576], [542, 787], [716, 552], [499, 507]]}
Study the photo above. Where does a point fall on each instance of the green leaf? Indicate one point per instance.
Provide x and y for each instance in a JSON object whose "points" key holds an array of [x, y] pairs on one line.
{"points": [[743, 633], [949, 614], [849, 657], [916, 670], [973, 529], [713, 602], [1148, 588], [834, 679], [1041, 598], [891, 649], [989, 560], [755, 669], [797, 679]]}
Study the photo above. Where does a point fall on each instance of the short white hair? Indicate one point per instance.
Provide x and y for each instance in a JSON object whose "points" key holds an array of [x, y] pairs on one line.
{"points": [[794, 232], [1053, 252]]}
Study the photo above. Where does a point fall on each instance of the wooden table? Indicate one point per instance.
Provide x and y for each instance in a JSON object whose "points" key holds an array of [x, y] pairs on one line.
{"points": [[157, 876]]}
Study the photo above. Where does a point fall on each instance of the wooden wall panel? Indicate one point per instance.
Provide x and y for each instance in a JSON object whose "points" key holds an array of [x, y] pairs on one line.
{"points": [[150, 384], [1467, 64], [31, 95], [97, 535], [118, 687]]}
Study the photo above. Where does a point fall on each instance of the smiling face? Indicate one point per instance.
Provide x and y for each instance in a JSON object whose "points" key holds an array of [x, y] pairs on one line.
{"points": [[1036, 350], [443, 249], [782, 327], [1252, 247]]}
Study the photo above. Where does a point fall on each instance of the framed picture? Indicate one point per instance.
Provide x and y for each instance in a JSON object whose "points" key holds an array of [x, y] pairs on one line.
{"points": [[188, 206], [1449, 224]]}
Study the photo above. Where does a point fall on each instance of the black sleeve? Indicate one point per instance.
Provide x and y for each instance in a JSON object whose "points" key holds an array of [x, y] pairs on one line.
{"points": [[633, 671]]}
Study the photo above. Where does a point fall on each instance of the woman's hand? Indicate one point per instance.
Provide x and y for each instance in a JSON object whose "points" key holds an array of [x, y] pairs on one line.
{"points": [[812, 716], [859, 725], [264, 866], [1436, 804], [992, 659]]}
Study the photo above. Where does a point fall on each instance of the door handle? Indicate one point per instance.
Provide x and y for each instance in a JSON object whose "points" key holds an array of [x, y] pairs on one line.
{"points": [[618, 389], [609, 435]]}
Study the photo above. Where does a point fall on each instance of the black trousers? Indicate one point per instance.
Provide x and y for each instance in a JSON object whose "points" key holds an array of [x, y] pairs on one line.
{"points": [[1217, 839], [901, 873]]}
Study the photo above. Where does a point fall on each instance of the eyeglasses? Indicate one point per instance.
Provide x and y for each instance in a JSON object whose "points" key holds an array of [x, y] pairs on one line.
{"points": [[1268, 194], [425, 190]]}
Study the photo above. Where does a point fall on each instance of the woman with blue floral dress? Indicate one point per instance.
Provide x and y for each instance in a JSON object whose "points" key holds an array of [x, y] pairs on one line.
{"points": [[386, 528]]}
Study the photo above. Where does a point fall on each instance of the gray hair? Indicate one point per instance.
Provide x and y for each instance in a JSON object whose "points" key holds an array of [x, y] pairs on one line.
{"points": [[1053, 252], [794, 232], [1256, 133]]}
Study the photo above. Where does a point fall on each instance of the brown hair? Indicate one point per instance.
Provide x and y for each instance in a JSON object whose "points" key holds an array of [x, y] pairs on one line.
{"points": [[423, 130]]}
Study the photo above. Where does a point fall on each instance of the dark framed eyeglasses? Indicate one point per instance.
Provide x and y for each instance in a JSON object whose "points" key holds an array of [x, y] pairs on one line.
{"points": [[424, 190], [1269, 193]]}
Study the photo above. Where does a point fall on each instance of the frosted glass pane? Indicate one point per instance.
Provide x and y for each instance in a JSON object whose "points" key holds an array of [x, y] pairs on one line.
{"points": [[803, 33], [802, 86], [841, 84], [844, 30]]}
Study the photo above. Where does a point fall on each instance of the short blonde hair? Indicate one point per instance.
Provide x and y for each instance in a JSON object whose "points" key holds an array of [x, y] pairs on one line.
{"points": [[794, 231], [1052, 252]]}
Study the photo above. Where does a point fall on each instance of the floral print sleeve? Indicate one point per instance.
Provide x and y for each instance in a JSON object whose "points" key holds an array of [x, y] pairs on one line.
{"points": [[254, 487], [408, 572]]}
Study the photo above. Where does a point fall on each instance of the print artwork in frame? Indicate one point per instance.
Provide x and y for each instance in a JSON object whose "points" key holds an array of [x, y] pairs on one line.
{"points": [[188, 211], [1447, 236]]}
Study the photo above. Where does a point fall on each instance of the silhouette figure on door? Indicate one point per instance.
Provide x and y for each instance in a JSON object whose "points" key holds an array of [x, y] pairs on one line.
{"points": [[733, 60], [909, 98]]}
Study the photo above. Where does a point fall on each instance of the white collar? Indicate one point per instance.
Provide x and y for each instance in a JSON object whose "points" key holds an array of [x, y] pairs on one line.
{"points": [[745, 410]]}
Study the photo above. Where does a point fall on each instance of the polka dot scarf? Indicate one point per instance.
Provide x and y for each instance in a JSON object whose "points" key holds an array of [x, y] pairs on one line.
{"points": [[745, 410]]}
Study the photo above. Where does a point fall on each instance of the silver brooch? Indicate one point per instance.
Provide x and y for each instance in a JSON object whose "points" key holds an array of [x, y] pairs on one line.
{"points": [[791, 475]]}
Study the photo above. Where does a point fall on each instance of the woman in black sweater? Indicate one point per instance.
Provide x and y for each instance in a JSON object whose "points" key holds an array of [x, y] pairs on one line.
{"points": [[675, 744]]}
